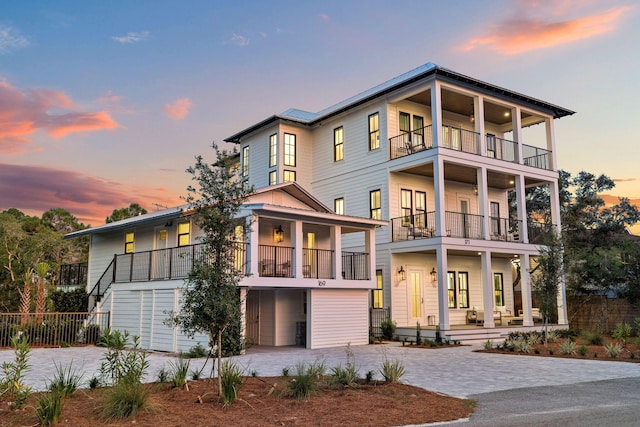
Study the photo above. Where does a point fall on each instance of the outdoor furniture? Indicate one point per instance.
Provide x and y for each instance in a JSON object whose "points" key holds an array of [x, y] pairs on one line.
{"points": [[535, 314], [472, 316], [497, 317]]}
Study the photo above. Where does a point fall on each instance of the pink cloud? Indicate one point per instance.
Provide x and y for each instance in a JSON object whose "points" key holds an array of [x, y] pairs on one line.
{"points": [[91, 199], [23, 113], [324, 17], [524, 34], [179, 109]]}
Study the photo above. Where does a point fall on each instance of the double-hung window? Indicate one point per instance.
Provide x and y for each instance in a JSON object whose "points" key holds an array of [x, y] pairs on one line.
{"points": [[374, 131], [129, 242], [338, 144], [451, 289], [405, 126], [273, 150], [376, 294], [375, 205], [289, 149], [245, 161], [421, 209], [418, 130], [498, 289], [338, 206], [289, 176], [184, 230], [406, 210], [463, 289]]}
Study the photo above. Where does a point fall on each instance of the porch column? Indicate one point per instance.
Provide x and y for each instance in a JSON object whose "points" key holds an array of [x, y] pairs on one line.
{"points": [[483, 201], [554, 187], [521, 206], [298, 242], [562, 300], [254, 247], [478, 107], [516, 123], [336, 245], [551, 143], [525, 280], [439, 193], [436, 114], [487, 289], [370, 247], [443, 292], [243, 316]]}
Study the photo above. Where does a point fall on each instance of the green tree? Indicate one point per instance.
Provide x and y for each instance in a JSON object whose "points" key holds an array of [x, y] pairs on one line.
{"points": [[134, 209], [211, 299], [547, 279]]}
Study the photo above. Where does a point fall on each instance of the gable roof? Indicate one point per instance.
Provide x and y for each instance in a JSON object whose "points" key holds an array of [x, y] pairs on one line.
{"points": [[301, 117]]}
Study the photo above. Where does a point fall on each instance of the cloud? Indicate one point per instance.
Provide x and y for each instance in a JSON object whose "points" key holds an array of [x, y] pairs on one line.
{"points": [[23, 113], [324, 17], [179, 109], [239, 39], [624, 179], [11, 39], [546, 29], [91, 199], [109, 98], [132, 37]]}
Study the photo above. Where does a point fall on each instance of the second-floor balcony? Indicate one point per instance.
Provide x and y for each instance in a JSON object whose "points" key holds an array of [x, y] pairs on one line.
{"points": [[466, 141], [466, 226]]}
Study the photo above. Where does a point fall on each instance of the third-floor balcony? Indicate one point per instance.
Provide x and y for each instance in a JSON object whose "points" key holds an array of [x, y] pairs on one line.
{"points": [[466, 141]]}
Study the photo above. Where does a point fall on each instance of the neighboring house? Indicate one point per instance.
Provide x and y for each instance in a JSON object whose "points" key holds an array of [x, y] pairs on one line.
{"points": [[300, 287], [438, 154]]}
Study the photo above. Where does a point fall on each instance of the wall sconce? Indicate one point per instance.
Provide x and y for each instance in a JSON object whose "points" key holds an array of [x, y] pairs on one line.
{"points": [[475, 189], [402, 275], [278, 234], [434, 275]]}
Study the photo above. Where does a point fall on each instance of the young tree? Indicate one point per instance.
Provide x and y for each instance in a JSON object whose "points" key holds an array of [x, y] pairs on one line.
{"points": [[211, 298], [547, 280]]}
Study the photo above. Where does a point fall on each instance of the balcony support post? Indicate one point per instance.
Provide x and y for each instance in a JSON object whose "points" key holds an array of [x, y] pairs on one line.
{"points": [[478, 106], [525, 283], [521, 207], [483, 201], [297, 241], [443, 291], [254, 248], [516, 121], [439, 193], [336, 245], [436, 113], [487, 289], [551, 144]]}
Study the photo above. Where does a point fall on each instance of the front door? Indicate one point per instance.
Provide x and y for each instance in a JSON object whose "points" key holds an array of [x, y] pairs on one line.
{"points": [[464, 210], [160, 256], [416, 299], [253, 317]]}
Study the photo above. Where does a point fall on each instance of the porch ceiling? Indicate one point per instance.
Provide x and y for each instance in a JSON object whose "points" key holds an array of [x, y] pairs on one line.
{"points": [[465, 174]]}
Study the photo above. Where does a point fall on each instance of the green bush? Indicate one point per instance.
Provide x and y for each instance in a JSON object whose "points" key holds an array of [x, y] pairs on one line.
{"points": [[65, 381], [49, 408], [120, 363], [388, 328], [622, 332], [568, 347], [392, 370], [303, 382], [231, 377], [593, 337], [583, 350], [125, 399], [179, 372], [75, 301], [195, 352], [13, 373], [613, 350]]}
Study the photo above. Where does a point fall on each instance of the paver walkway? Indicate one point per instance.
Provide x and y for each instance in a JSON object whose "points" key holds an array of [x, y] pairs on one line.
{"points": [[456, 371]]}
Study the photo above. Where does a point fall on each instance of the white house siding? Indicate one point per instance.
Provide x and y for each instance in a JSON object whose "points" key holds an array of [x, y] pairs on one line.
{"points": [[338, 317], [289, 309]]}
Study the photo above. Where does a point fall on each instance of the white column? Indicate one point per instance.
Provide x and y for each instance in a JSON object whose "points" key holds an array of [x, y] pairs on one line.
{"points": [[516, 122], [298, 243], [478, 106], [522, 208], [336, 239], [525, 281], [551, 144], [370, 246], [243, 315], [439, 193], [443, 294], [487, 289], [436, 114], [483, 201], [254, 247], [562, 301], [555, 205]]}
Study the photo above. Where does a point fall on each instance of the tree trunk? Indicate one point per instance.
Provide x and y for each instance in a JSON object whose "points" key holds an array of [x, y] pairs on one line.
{"points": [[219, 362]]}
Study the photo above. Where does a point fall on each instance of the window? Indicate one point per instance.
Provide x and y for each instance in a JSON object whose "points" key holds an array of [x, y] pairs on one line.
{"points": [[338, 144], [273, 150], [491, 145], [498, 289], [273, 177], [338, 206], [245, 161], [405, 125], [418, 130], [374, 132], [421, 209], [375, 207], [376, 294], [183, 233], [289, 176], [289, 149], [406, 210], [451, 288], [129, 244], [463, 289], [495, 218]]}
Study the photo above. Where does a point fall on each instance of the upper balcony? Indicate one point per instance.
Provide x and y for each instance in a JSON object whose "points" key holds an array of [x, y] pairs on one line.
{"points": [[467, 141]]}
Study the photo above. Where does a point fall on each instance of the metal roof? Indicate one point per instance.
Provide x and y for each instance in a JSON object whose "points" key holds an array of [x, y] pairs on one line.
{"points": [[306, 118]]}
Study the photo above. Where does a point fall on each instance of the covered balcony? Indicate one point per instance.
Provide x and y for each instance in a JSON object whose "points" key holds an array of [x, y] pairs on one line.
{"points": [[496, 136]]}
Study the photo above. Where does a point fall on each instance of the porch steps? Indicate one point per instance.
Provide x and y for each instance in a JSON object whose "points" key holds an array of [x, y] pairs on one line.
{"points": [[475, 336]]}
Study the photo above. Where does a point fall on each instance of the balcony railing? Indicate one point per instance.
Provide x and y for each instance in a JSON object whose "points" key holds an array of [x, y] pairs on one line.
{"points": [[73, 274], [418, 226], [410, 142], [317, 263], [464, 225], [276, 261], [355, 266], [538, 231], [505, 229], [467, 141]]}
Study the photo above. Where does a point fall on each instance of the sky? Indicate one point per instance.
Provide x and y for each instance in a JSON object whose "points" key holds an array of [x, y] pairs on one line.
{"points": [[103, 104]]}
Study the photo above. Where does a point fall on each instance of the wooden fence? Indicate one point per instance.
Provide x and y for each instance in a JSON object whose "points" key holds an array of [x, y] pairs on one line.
{"points": [[599, 313], [52, 329]]}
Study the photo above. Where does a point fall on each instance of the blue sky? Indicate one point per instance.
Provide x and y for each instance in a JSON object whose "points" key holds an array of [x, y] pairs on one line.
{"points": [[106, 103]]}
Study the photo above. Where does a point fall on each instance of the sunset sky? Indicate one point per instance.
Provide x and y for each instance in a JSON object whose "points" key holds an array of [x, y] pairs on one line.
{"points": [[106, 103]]}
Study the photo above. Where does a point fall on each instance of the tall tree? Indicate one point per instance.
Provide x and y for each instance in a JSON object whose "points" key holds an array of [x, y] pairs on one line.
{"points": [[211, 298], [547, 279], [134, 209]]}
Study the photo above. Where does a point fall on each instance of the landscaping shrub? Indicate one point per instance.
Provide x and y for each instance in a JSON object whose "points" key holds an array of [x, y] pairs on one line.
{"points": [[488, 345], [347, 376], [13, 373], [522, 345], [179, 371], [568, 347], [65, 381], [49, 408], [162, 376], [388, 328], [613, 350], [195, 352], [583, 350], [593, 337], [125, 399], [392, 370], [231, 377], [622, 332], [303, 383], [119, 362]]}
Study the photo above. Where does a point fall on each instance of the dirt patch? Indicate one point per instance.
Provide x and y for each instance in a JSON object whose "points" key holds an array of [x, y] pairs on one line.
{"points": [[372, 404]]}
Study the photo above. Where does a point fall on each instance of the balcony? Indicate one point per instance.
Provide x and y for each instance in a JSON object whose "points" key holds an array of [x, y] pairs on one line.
{"points": [[466, 226], [73, 275], [467, 141]]}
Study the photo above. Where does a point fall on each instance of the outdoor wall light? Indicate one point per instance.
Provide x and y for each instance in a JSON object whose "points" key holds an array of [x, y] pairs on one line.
{"points": [[278, 234], [402, 274], [434, 275]]}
